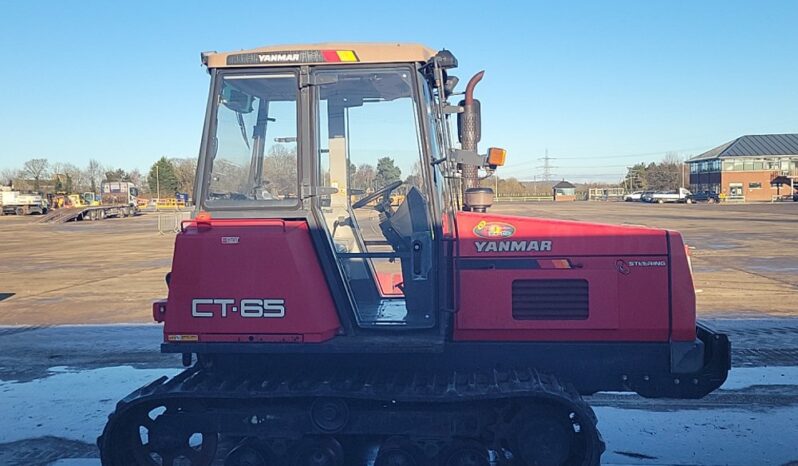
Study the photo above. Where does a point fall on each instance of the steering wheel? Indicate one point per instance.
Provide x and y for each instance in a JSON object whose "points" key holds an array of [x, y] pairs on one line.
{"points": [[384, 191]]}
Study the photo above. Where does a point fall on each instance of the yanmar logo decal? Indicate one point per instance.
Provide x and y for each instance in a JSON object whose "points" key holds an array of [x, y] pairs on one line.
{"points": [[494, 230], [512, 246]]}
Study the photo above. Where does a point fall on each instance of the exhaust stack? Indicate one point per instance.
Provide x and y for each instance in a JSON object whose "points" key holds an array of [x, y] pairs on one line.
{"points": [[469, 125]]}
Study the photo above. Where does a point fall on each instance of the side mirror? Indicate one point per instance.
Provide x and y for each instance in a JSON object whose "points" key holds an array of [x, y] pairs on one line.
{"points": [[451, 83]]}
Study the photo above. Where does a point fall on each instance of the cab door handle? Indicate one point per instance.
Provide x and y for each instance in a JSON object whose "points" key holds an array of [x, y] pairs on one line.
{"points": [[417, 248]]}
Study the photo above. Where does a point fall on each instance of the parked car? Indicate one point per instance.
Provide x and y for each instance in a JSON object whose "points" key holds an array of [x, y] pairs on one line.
{"points": [[661, 197], [633, 197], [704, 196], [647, 196]]}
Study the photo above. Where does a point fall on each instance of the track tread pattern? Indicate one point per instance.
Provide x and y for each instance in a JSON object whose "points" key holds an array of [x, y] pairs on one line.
{"points": [[207, 385]]}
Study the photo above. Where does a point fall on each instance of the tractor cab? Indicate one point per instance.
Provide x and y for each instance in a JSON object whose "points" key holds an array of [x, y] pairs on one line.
{"points": [[352, 139]]}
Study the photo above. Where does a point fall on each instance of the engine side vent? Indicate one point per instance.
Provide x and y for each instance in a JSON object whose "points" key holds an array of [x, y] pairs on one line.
{"points": [[550, 299]]}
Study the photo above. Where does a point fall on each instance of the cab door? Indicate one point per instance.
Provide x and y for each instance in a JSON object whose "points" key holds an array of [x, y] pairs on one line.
{"points": [[376, 206]]}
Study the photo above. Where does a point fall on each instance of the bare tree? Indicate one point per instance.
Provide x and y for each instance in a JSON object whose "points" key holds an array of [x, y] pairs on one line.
{"points": [[94, 175], [68, 178], [185, 169], [672, 158], [35, 169], [135, 178], [8, 175], [414, 179], [74, 178], [511, 186], [279, 170], [363, 177]]}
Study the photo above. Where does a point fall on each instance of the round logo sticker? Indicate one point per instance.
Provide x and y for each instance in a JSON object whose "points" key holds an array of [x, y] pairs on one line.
{"points": [[494, 230]]}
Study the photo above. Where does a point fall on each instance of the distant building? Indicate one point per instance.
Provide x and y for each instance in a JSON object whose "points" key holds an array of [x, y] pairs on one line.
{"points": [[564, 191], [751, 168], [29, 185]]}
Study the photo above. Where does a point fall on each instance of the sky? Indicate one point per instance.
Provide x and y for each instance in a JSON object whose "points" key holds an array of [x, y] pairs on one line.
{"points": [[598, 85]]}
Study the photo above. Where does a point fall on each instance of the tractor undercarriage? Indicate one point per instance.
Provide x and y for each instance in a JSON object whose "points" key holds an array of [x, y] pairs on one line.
{"points": [[332, 417]]}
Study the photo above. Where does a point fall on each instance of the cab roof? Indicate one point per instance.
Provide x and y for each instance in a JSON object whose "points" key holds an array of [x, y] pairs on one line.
{"points": [[319, 54]]}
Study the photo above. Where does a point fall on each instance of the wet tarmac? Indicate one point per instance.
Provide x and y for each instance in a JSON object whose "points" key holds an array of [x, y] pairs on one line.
{"points": [[57, 385]]}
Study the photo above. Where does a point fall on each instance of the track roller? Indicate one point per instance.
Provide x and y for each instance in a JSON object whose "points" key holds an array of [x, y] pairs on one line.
{"points": [[399, 452], [247, 453], [317, 451], [465, 453]]}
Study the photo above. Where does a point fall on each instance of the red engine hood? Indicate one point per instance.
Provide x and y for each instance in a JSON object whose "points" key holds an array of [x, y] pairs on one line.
{"points": [[486, 235]]}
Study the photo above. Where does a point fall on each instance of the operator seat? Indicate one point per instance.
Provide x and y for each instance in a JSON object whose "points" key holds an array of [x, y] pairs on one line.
{"points": [[409, 232]]}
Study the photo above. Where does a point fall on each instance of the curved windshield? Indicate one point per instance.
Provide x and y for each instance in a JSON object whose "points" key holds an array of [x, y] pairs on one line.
{"points": [[254, 149]]}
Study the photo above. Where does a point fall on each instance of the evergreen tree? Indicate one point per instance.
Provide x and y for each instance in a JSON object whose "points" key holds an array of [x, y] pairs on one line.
{"points": [[387, 172], [116, 175], [162, 174]]}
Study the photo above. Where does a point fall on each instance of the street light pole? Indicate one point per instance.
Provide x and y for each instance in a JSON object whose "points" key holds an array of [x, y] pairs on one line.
{"points": [[157, 182]]}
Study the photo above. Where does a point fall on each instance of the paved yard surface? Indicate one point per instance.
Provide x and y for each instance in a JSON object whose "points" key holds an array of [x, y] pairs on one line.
{"points": [[58, 382], [745, 260]]}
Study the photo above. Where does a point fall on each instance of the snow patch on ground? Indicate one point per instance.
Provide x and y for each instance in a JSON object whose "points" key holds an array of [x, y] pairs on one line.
{"points": [[743, 377], [700, 437], [69, 404], [74, 404]]}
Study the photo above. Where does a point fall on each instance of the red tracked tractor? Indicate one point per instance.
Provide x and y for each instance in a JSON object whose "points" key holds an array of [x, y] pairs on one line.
{"points": [[324, 325]]}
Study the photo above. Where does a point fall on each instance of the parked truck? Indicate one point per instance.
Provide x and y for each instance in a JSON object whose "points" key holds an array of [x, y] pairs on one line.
{"points": [[15, 202], [120, 193], [117, 199]]}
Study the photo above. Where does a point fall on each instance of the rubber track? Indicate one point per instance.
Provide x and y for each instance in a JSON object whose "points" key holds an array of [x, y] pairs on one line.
{"points": [[195, 384]]}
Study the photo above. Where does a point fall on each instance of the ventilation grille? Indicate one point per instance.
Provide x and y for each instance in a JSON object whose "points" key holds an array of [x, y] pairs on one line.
{"points": [[550, 299]]}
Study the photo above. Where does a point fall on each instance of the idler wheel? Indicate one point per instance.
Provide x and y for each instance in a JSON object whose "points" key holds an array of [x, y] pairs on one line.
{"points": [[159, 440], [544, 436], [330, 415]]}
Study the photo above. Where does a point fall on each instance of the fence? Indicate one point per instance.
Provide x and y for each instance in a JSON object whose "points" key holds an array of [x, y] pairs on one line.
{"points": [[606, 194], [170, 222], [539, 198]]}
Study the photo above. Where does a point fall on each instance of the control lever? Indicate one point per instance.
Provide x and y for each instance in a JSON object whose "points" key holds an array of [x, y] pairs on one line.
{"points": [[341, 222]]}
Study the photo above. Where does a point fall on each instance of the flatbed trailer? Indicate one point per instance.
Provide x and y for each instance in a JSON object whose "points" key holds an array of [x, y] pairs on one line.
{"points": [[90, 213]]}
